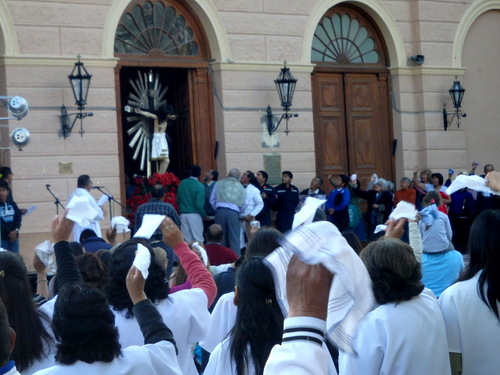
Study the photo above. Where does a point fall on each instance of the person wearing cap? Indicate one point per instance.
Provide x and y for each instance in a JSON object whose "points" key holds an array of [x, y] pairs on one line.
{"points": [[10, 220], [7, 175]]}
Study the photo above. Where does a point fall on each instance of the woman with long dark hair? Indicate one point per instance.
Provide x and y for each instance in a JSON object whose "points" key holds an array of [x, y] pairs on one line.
{"points": [[471, 307], [258, 327], [262, 242], [185, 311], [34, 342]]}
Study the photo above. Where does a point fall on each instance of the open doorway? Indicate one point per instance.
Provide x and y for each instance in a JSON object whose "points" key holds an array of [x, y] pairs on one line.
{"points": [[171, 87]]}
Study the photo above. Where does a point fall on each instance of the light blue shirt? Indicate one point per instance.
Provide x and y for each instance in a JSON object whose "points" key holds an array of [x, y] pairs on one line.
{"points": [[441, 270]]}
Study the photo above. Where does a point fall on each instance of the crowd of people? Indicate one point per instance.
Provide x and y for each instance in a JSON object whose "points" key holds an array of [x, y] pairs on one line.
{"points": [[209, 303]]}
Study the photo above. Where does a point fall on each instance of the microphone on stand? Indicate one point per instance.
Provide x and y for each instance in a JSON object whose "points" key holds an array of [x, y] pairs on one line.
{"points": [[138, 176], [97, 187], [47, 186]]}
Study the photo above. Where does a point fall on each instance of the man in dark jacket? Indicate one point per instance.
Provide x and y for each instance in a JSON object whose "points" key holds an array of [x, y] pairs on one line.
{"points": [[287, 199], [92, 243]]}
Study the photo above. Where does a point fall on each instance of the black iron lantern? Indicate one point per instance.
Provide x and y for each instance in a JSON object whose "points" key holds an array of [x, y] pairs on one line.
{"points": [[457, 94], [79, 80], [80, 83], [285, 85]]}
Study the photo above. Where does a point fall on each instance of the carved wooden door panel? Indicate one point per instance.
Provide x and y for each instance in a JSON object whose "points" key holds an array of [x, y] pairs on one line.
{"points": [[330, 125], [351, 124]]}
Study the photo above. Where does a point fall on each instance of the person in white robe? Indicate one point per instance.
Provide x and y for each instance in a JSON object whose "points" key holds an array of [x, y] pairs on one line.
{"points": [[258, 326], [85, 325], [394, 338], [252, 206], [84, 185], [471, 306], [186, 311], [301, 351]]}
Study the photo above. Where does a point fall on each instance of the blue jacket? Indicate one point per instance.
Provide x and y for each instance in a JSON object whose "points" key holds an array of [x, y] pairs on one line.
{"points": [[94, 244]]}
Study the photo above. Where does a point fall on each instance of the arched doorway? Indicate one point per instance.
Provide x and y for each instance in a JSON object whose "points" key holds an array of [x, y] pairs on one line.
{"points": [[352, 122], [163, 63]]}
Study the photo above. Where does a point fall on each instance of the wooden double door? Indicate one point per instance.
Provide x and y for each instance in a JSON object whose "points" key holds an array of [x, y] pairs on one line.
{"points": [[352, 125]]}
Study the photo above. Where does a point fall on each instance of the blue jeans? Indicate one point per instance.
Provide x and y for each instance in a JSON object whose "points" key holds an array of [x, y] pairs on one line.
{"points": [[10, 246]]}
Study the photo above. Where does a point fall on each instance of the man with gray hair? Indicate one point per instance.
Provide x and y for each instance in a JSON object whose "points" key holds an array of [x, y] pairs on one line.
{"points": [[227, 198]]}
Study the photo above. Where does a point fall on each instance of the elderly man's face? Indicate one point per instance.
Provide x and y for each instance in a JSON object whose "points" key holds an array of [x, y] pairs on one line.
{"points": [[315, 183]]}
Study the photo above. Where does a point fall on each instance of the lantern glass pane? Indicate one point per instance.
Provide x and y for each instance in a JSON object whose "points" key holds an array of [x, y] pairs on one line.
{"points": [[85, 90], [457, 94], [75, 86]]}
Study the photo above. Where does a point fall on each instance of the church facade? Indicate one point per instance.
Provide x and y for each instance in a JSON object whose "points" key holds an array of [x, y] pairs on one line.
{"points": [[372, 81]]}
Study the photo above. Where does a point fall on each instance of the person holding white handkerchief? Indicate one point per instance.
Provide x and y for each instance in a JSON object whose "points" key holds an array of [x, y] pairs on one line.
{"points": [[85, 325], [185, 311], [84, 210]]}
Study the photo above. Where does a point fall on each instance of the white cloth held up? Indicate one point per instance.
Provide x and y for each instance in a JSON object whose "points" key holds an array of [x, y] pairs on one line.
{"points": [[149, 225], [307, 212], [203, 252], [45, 252], [403, 210], [142, 260], [120, 224], [81, 211], [351, 295], [472, 182]]}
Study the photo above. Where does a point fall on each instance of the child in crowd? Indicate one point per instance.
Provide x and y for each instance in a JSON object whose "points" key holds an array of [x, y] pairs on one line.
{"points": [[441, 265]]}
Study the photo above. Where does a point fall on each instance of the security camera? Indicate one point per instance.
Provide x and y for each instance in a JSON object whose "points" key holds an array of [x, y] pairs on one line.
{"points": [[418, 59]]}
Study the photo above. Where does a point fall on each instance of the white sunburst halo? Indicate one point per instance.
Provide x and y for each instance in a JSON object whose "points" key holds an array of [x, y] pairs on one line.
{"points": [[140, 132]]}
